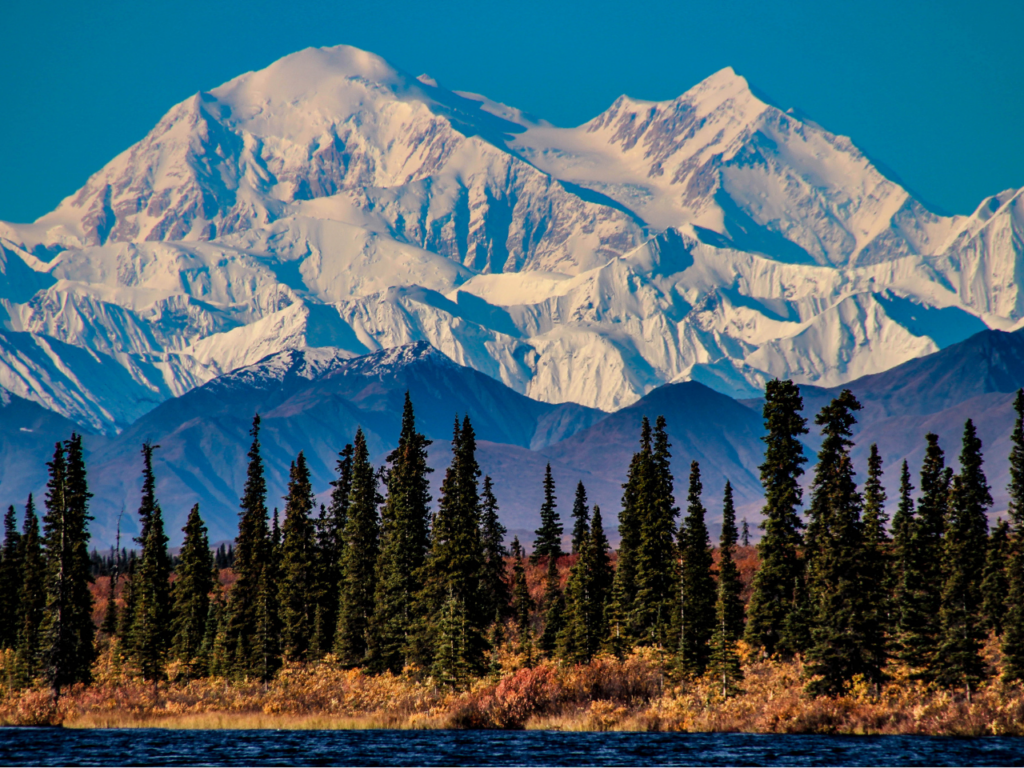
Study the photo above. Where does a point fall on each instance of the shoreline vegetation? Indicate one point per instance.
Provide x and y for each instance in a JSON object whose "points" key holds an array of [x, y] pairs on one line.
{"points": [[386, 610], [634, 694]]}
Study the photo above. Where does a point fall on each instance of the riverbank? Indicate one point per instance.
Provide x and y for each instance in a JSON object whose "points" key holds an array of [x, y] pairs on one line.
{"points": [[636, 694]]}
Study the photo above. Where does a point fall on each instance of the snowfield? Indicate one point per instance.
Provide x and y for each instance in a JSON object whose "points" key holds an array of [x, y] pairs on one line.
{"points": [[332, 201]]}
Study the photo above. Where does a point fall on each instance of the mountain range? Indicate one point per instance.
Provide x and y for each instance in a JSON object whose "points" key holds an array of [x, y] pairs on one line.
{"points": [[282, 240]]}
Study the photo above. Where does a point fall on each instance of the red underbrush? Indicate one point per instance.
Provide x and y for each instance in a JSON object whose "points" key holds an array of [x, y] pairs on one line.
{"points": [[638, 693]]}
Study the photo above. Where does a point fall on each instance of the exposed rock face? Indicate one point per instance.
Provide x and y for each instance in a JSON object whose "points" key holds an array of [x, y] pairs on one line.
{"points": [[333, 201]]}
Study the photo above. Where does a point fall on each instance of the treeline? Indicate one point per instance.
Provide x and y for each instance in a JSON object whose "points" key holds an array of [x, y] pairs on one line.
{"points": [[376, 579]]}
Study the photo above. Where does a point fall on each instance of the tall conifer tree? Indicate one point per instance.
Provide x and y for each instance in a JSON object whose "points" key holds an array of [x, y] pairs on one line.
{"points": [[493, 586], [331, 546], [581, 518], [846, 637], [1013, 631], [586, 596], [697, 593], [959, 661], [252, 551], [995, 586], [32, 598], [657, 575], [919, 638], [151, 620], [191, 596], [522, 603], [724, 661], [622, 619], [298, 583], [10, 581], [67, 630], [456, 559], [769, 624], [554, 608], [405, 538], [548, 541], [359, 561]]}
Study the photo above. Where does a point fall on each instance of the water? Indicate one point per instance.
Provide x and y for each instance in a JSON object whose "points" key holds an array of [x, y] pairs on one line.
{"points": [[56, 746]]}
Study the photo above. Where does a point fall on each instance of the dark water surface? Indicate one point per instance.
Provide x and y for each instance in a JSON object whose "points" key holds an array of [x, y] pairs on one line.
{"points": [[56, 746]]}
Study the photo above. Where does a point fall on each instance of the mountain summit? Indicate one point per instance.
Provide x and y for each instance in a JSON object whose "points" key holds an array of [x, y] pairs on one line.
{"points": [[331, 200]]}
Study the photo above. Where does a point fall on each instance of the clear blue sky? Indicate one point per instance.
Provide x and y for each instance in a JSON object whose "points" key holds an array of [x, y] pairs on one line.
{"points": [[935, 90]]}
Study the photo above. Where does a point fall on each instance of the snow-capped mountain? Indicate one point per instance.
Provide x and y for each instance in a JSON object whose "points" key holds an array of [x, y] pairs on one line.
{"points": [[331, 200]]}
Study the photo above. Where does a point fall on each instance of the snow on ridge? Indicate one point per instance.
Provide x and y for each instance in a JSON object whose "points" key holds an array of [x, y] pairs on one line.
{"points": [[297, 217]]}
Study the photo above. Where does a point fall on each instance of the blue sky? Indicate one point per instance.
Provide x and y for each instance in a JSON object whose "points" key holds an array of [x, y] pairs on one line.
{"points": [[934, 90]]}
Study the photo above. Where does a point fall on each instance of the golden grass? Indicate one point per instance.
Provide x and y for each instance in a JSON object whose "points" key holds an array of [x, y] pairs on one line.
{"points": [[635, 694]]}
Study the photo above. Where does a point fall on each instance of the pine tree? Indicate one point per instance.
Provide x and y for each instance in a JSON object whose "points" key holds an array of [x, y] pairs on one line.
{"points": [[586, 596], [769, 624], [67, 630], [331, 546], [252, 551], [358, 564], [32, 595], [697, 586], [522, 603], [745, 534], [995, 587], [456, 559], [548, 541], [846, 640], [297, 586], [581, 517], [191, 596], [10, 581], [493, 586], [959, 661], [554, 608], [724, 663], [151, 620], [1013, 632], [405, 520], [657, 576]]}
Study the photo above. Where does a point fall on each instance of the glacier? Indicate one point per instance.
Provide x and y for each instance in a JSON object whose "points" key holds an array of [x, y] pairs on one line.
{"points": [[333, 201]]}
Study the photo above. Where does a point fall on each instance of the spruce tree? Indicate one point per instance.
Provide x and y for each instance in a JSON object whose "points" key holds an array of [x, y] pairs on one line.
{"points": [[657, 576], [330, 531], [581, 518], [32, 593], [10, 581], [451, 667], [493, 586], [191, 597], [548, 541], [622, 617], [1013, 631], [995, 587], [729, 584], [745, 534], [151, 620], [252, 551], [522, 603], [697, 591], [586, 596], [769, 622], [876, 561], [724, 663], [405, 520], [554, 608], [359, 561], [298, 585], [456, 558], [67, 630], [919, 637], [958, 662], [846, 638]]}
